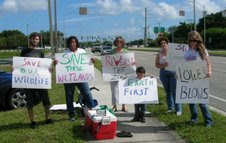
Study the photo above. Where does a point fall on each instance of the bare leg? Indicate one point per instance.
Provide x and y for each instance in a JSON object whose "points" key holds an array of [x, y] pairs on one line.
{"points": [[46, 108], [114, 108], [30, 114], [124, 108]]}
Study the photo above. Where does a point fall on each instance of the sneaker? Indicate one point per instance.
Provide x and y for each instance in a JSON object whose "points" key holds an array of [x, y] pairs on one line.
{"points": [[209, 125], [48, 121], [72, 119], [169, 111], [191, 122], [143, 120], [33, 125], [135, 120], [178, 113]]}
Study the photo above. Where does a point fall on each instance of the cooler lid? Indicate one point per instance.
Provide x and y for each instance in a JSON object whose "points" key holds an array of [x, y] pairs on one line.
{"points": [[93, 115]]}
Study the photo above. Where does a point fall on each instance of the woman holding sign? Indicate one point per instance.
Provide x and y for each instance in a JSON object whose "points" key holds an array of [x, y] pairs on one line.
{"points": [[73, 46], [168, 78], [119, 42], [197, 51]]}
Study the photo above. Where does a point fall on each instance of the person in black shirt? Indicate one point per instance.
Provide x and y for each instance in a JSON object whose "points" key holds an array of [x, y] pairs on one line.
{"points": [[34, 40]]}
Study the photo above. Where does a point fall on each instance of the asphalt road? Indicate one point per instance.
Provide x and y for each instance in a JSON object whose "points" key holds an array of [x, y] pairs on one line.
{"points": [[217, 81]]}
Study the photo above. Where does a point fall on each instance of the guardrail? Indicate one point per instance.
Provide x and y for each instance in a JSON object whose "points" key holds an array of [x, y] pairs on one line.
{"points": [[6, 61]]}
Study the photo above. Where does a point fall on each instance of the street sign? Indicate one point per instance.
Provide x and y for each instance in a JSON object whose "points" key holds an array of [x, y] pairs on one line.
{"points": [[181, 13], [82, 11], [159, 29]]}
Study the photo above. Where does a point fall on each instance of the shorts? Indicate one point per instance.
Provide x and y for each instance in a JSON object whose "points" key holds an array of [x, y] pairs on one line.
{"points": [[32, 94]]}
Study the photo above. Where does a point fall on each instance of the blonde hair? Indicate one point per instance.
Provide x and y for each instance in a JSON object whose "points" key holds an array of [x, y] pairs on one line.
{"points": [[200, 46]]}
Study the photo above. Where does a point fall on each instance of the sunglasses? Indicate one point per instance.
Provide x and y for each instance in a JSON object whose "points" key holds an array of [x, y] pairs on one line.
{"points": [[193, 40]]}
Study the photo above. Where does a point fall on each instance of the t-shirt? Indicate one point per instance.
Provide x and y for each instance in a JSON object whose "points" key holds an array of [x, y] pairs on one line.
{"points": [[191, 55], [79, 50], [123, 51], [32, 53]]}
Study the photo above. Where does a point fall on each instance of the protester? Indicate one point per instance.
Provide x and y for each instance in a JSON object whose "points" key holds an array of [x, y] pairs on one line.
{"points": [[119, 42], [73, 46], [168, 78], [197, 51], [140, 108], [31, 51]]}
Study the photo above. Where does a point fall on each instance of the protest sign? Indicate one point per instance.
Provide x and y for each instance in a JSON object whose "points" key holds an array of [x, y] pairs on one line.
{"points": [[31, 73], [116, 65], [192, 82], [138, 91], [74, 67], [175, 55]]}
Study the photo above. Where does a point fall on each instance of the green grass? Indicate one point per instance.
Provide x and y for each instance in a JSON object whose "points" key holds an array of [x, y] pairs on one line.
{"points": [[217, 52], [14, 124], [197, 133], [10, 54], [6, 55]]}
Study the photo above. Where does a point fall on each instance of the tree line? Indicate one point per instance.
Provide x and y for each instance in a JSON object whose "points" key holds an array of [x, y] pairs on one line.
{"points": [[215, 35]]}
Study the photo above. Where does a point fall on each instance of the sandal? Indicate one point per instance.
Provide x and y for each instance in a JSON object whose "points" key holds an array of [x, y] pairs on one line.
{"points": [[124, 134]]}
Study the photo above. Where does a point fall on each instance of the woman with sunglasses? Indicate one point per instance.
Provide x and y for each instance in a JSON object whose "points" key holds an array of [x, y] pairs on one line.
{"points": [[168, 78], [197, 51]]}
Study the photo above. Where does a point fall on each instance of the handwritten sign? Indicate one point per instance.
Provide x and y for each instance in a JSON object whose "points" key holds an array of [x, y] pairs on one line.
{"points": [[31, 73], [133, 90], [175, 55], [192, 83], [74, 67], [116, 65]]}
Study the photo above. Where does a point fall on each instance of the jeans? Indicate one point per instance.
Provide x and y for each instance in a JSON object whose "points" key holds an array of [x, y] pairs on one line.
{"points": [[205, 113], [84, 90], [168, 79], [140, 111]]}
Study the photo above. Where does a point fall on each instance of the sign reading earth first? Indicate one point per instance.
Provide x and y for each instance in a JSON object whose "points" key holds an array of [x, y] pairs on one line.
{"points": [[31, 73], [138, 91], [117, 65], [192, 82], [175, 55], [74, 67]]}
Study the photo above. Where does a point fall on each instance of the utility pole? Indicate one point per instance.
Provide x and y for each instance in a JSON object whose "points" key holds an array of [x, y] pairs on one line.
{"points": [[56, 32], [145, 28], [194, 15], [50, 27], [204, 19], [28, 44]]}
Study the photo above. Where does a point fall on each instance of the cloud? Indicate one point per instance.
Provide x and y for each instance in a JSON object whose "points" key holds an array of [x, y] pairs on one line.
{"points": [[210, 6], [13, 6]]}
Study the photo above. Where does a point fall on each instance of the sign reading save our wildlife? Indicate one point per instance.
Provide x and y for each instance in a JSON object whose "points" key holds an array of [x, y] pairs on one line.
{"points": [[74, 67], [175, 55], [192, 82], [117, 65], [31, 73], [138, 91]]}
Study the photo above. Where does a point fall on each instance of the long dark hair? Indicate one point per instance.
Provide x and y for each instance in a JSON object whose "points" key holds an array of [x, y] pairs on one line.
{"points": [[70, 39]]}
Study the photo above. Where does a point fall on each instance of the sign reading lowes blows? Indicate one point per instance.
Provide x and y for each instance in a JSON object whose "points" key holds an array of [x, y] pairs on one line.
{"points": [[192, 83]]}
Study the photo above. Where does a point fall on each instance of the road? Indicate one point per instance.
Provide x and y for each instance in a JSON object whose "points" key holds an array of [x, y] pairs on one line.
{"points": [[217, 81]]}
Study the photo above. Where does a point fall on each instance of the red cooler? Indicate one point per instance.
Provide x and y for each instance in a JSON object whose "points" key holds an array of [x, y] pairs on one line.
{"points": [[102, 126]]}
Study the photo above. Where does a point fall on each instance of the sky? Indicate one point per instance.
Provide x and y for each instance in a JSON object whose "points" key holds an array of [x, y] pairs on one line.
{"points": [[105, 18]]}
